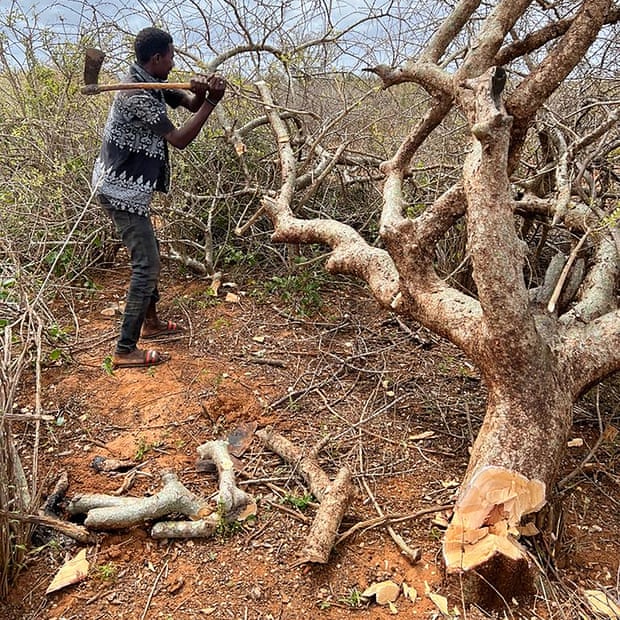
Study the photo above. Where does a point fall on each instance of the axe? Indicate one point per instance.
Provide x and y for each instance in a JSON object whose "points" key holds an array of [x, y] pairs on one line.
{"points": [[92, 66]]}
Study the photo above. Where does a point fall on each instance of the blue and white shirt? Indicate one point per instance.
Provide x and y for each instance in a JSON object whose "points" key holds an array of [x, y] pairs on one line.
{"points": [[133, 162]]}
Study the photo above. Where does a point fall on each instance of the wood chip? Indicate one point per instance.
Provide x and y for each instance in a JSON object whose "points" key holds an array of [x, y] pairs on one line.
{"points": [[410, 592], [602, 603], [441, 602], [384, 592], [72, 571]]}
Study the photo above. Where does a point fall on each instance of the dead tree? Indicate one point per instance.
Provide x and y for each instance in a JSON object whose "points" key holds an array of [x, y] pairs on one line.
{"points": [[536, 358]]}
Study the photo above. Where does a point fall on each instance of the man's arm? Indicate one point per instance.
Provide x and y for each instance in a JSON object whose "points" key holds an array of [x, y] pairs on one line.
{"points": [[206, 93]]}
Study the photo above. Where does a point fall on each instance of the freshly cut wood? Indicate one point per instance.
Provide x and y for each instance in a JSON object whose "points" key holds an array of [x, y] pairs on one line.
{"points": [[384, 592], [487, 516], [602, 604], [72, 571]]}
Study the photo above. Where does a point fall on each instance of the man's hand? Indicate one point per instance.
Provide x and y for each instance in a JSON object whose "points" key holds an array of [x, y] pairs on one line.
{"points": [[216, 86], [206, 93], [199, 85]]}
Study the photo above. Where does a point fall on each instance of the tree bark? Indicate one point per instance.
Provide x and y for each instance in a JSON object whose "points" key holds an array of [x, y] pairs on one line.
{"points": [[230, 496], [108, 512], [324, 530], [333, 496], [512, 468]]}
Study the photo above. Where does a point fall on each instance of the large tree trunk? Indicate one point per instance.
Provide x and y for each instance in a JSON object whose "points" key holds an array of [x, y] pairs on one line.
{"points": [[513, 467], [515, 458]]}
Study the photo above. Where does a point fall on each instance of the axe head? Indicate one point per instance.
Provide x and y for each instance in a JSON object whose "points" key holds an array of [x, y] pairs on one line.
{"points": [[92, 66]]}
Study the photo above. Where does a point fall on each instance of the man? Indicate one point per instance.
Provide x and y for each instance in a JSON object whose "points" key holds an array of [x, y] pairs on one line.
{"points": [[132, 164]]}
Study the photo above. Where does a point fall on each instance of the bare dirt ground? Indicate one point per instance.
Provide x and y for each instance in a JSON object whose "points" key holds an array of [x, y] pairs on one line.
{"points": [[400, 407]]}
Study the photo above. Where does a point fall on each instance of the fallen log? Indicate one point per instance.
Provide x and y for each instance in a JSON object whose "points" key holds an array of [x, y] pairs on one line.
{"points": [[108, 512], [333, 496], [306, 464], [324, 530], [230, 496]]}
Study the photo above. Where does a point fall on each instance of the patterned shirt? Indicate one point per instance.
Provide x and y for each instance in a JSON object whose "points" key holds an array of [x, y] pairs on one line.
{"points": [[133, 162]]}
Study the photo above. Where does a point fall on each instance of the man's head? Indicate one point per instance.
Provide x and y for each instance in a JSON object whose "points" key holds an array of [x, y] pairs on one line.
{"points": [[154, 51]]}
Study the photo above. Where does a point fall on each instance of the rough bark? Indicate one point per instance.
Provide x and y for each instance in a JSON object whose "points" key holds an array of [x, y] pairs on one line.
{"points": [[306, 465], [528, 409], [230, 496], [324, 530], [333, 496]]}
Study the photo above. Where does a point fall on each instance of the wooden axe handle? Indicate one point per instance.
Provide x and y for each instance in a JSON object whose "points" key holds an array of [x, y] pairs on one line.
{"points": [[94, 89]]}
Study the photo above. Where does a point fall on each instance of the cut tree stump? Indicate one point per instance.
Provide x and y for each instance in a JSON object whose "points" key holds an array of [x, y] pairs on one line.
{"points": [[481, 539]]}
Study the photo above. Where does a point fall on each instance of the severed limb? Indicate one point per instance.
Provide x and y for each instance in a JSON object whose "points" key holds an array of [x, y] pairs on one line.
{"points": [[202, 528], [333, 496], [108, 512], [324, 529], [306, 464], [230, 497]]}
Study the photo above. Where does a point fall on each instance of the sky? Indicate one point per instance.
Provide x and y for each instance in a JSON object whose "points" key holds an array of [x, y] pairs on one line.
{"points": [[208, 27], [386, 31]]}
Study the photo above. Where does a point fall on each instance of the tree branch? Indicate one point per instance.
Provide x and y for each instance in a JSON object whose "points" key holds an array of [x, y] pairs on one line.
{"points": [[527, 98], [592, 351], [111, 512], [598, 290]]}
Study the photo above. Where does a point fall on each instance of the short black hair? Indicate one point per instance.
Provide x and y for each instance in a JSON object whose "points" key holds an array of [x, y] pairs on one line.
{"points": [[151, 41]]}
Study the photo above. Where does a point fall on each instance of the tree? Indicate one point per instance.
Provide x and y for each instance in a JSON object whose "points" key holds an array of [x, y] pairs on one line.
{"points": [[538, 347], [530, 83]]}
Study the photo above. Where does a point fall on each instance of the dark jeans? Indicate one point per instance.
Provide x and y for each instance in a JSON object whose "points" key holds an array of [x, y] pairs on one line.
{"points": [[136, 232]]}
